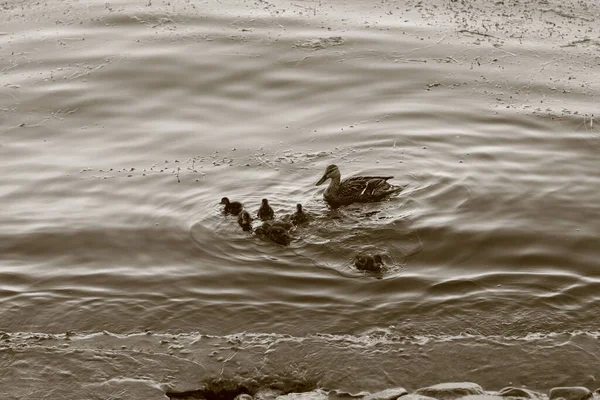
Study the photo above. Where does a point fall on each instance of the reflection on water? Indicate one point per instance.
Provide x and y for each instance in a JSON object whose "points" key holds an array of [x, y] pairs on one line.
{"points": [[120, 134]]}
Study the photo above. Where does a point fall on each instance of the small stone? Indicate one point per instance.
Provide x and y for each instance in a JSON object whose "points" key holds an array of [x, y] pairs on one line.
{"points": [[570, 393], [267, 394], [451, 391], [519, 392], [243, 396], [416, 397], [486, 396], [316, 395], [388, 394]]}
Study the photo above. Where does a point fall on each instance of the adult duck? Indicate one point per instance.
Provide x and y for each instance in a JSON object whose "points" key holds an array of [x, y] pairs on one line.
{"points": [[357, 189]]}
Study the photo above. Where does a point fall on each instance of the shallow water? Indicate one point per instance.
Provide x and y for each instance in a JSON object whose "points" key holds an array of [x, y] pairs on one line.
{"points": [[124, 124]]}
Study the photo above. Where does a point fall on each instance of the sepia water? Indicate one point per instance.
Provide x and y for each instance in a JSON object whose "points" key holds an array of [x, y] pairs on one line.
{"points": [[123, 124]]}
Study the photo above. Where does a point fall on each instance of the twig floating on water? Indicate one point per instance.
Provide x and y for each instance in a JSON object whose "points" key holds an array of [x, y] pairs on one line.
{"points": [[475, 33]]}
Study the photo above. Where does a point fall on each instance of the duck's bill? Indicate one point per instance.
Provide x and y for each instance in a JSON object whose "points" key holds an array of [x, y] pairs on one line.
{"points": [[321, 181]]}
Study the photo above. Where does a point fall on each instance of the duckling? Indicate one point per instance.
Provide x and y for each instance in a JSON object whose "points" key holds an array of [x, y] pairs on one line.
{"points": [[277, 231], [281, 224], [299, 217], [233, 207], [265, 212], [369, 262], [245, 220]]}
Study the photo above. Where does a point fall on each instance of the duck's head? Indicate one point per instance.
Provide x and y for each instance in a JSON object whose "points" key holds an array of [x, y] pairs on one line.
{"points": [[265, 202], [224, 200], [299, 208], [331, 171], [245, 217]]}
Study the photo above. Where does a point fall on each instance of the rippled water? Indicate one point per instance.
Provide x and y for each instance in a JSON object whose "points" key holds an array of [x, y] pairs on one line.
{"points": [[123, 124]]}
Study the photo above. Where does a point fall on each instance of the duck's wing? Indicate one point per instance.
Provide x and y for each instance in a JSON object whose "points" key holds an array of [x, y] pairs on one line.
{"points": [[360, 185]]}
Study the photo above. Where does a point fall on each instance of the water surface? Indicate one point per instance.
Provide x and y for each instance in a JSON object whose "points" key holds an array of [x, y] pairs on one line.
{"points": [[124, 124]]}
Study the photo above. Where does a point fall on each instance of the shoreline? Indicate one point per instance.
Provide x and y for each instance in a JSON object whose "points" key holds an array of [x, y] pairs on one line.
{"points": [[197, 366]]}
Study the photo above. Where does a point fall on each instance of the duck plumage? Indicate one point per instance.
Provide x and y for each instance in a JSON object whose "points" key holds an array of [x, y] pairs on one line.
{"points": [[231, 207], [369, 262], [300, 216], [245, 220], [276, 231], [265, 212], [357, 189]]}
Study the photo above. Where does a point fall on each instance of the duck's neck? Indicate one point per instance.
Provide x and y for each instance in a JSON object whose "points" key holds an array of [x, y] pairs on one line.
{"points": [[334, 184]]}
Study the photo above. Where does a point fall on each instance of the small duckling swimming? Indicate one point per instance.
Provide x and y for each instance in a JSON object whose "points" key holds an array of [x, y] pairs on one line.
{"points": [[299, 217], [277, 231], [231, 207], [369, 262], [245, 220], [265, 212]]}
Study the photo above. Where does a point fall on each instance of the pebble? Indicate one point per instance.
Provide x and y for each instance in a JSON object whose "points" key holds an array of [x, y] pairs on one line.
{"points": [[315, 395], [570, 393], [388, 394], [416, 397], [267, 394], [510, 391], [451, 391], [483, 397]]}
